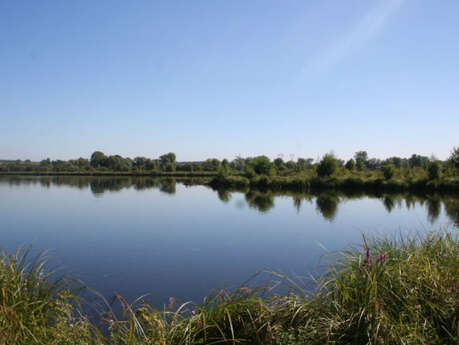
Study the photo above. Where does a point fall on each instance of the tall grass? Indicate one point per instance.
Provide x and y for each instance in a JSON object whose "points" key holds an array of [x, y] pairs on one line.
{"points": [[36, 308], [387, 291]]}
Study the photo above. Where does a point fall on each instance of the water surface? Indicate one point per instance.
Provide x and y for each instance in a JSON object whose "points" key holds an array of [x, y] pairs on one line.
{"points": [[140, 235]]}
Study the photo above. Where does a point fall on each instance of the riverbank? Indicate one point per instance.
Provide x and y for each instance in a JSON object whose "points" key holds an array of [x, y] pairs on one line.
{"points": [[385, 292], [299, 183]]}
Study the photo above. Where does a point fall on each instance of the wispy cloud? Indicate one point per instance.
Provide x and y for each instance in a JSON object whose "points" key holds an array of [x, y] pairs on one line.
{"points": [[364, 31]]}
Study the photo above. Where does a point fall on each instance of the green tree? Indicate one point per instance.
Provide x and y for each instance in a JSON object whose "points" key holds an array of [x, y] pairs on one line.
{"points": [[279, 163], [167, 162], [290, 164], [350, 164], [388, 171], [397, 161], [98, 159], [211, 164], [262, 166], [238, 163], [303, 163], [361, 158], [150, 164], [327, 166], [139, 163], [418, 161], [434, 170], [224, 169], [454, 157]]}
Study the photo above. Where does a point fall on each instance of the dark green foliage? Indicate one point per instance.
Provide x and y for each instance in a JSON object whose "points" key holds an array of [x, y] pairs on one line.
{"points": [[327, 205], [327, 166], [398, 162], [167, 162], [224, 169], [143, 163], [211, 164], [452, 210], [262, 166], [388, 171], [303, 164], [98, 159], [350, 165], [279, 163], [454, 157], [261, 201], [238, 164], [290, 164], [361, 158], [434, 170], [418, 161]]}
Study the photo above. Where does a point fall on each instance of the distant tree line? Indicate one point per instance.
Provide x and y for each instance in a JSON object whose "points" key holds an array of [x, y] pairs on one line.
{"points": [[327, 166]]}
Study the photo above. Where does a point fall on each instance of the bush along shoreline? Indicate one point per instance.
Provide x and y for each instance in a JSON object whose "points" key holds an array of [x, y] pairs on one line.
{"points": [[361, 165], [299, 183], [417, 173], [403, 291]]}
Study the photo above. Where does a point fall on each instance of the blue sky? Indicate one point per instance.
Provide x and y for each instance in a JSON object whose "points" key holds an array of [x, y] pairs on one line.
{"points": [[225, 78]]}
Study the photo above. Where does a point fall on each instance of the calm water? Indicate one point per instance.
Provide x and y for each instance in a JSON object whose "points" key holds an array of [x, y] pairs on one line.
{"points": [[139, 235]]}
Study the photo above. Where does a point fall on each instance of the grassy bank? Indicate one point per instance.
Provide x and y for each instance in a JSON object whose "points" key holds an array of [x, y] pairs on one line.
{"points": [[385, 292], [305, 183]]}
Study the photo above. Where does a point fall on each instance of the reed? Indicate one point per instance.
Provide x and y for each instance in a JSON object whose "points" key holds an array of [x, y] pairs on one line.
{"points": [[385, 291]]}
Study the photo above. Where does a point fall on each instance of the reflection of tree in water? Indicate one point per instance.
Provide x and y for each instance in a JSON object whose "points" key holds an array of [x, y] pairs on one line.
{"points": [[100, 185], [260, 201], [452, 210], [297, 200], [263, 201], [224, 195], [389, 203], [167, 186], [97, 184], [45, 182], [143, 183], [410, 201], [433, 209], [327, 205]]}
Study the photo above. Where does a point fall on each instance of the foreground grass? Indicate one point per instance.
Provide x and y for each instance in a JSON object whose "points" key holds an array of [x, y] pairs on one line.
{"points": [[386, 292]]}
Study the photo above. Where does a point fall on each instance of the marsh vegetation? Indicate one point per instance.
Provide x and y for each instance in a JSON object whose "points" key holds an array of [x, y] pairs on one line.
{"points": [[387, 291]]}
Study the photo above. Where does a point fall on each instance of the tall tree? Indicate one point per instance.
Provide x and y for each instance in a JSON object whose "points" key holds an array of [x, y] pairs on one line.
{"points": [[361, 158], [98, 159]]}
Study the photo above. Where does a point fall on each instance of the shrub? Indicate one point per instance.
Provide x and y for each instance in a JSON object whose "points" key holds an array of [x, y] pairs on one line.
{"points": [[263, 166], [434, 170], [454, 157], [327, 166], [388, 171], [350, 164]]}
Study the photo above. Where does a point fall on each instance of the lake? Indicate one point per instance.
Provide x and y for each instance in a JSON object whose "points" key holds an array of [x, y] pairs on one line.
{"points": [[142, 235]]}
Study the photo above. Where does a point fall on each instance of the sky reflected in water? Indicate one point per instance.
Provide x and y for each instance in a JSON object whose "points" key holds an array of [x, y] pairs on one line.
{"points": [[140, 235]]}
